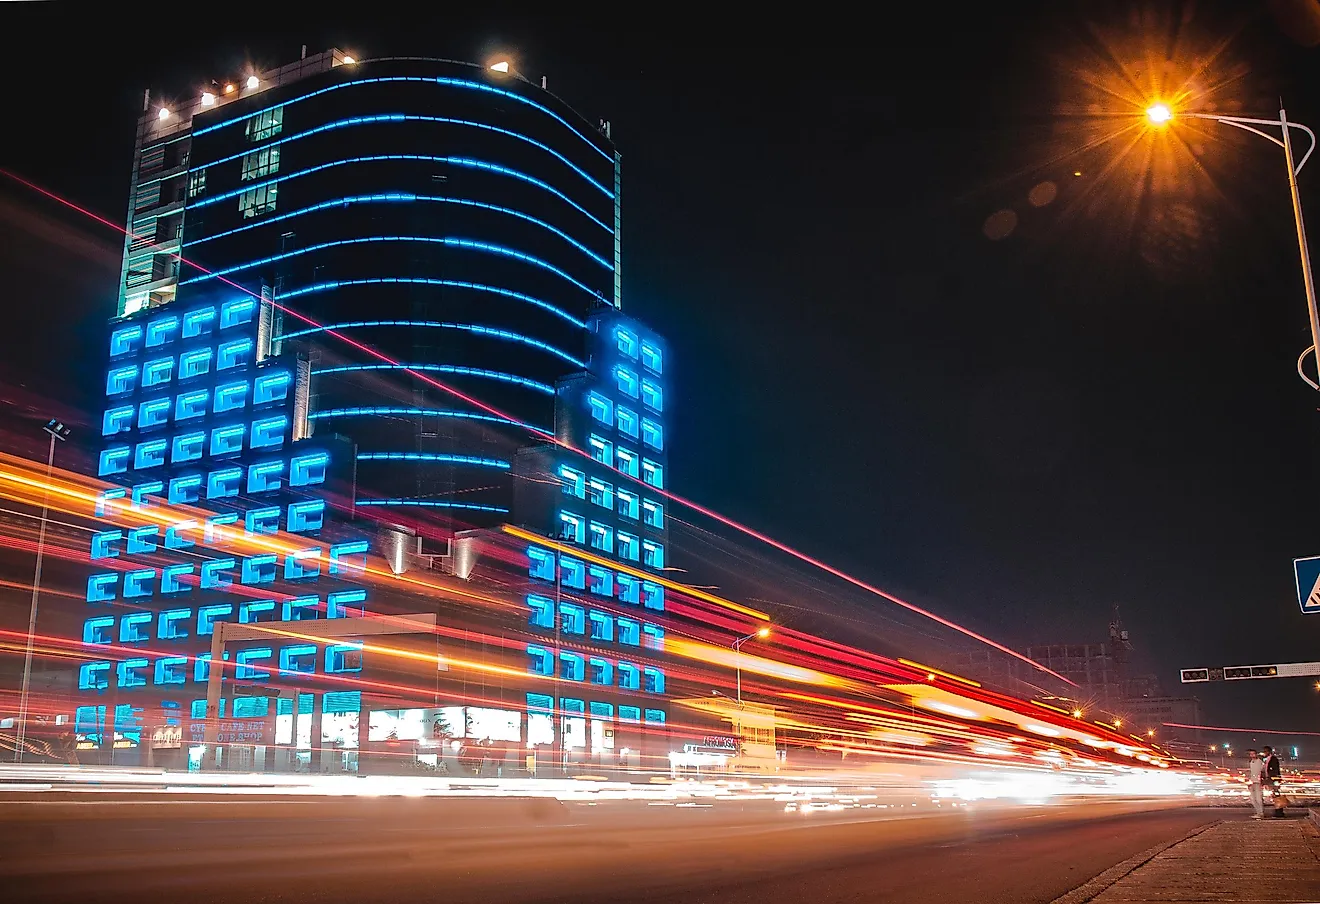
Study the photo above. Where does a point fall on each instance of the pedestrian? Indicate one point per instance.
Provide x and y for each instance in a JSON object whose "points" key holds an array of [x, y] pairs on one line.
{"points": [[1255, 777], [1274, 780]]}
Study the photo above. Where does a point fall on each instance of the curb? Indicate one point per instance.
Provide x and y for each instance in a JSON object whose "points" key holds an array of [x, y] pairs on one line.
{"points": [[1083, 893]]}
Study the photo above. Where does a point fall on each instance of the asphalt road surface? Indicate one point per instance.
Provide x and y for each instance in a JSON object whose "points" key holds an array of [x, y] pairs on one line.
{"points": [[90, 848]]}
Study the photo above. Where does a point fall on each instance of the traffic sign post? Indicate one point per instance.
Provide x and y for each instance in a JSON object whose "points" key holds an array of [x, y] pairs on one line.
{"points": [[1306, 572]]}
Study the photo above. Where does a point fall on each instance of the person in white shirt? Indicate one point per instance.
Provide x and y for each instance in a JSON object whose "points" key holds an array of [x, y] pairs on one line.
{"points": [[1255, 776]]}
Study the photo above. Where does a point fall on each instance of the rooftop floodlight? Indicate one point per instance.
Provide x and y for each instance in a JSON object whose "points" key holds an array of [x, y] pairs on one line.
{"points": [[207, 98], [349, 60], [1158, 114], [500, 66], [164, 114], [253, 82], [229, 88]]}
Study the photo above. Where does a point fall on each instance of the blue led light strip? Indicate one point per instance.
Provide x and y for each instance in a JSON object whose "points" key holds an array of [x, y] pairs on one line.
{"points": [[436, 457], [447, 241], [467, 327], [446, 369], [433, 503], [408, 117], [467, 162], [405, 197], [439, 80], [374, 410], [427, 281]]}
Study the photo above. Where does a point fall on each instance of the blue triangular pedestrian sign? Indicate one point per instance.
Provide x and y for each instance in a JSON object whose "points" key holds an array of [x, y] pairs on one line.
{"points": [[1307, 573]]}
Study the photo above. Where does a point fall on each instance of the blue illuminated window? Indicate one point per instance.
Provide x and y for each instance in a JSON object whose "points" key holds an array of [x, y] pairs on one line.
{"points": [[298, 659], [629, 547], [157, 372], [302, 608], [137, 583], [120, 380], [572, 528], [230, 396], [131, 627], [652, 360], [185, 490], [539, 661], [630, 677], [344, 603], [237, 312], [233, 353], [138, 498], [308, 469], [343, 657], [271, 388], [653, 637], [653, 396], [202, 671], [600, 710], [627, 381], [602, 672], [93, 676], [572, 618], [101, 587], [259, 569], [105, 544], [113, 460], [161, 331], [306, 516], [268, 432], [653, 554], [630, 631], [572, 667], [653, 434], [171, 579], [572, 573], [130, 673], [653, 473], [227, 440], [601, 450], [195, 363], [256, 611], [655, 680], [208, 616], [117, 420], [630, 589], [99, 629], [198, 323], [627, 419], [150, 454], [542, 611], [600, 493], [655, 716], [572, 481], [189, 405], [601, 537], [220, 484], [653, 596], [302, 564], [142, 539], [602, 625], [600, 580], [628, 461], [173, 623], [172, 670], [348, 558], [125, 339], [541, 563], [246, 659], [626, 342], [628, 503], [265, 477], [215, 574], [602, 409], [188, 447], [262, 520], [174, 535], [630, 714]]}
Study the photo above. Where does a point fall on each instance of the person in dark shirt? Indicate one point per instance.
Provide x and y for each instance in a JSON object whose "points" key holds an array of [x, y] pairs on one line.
{"points": [[1274, 779]]}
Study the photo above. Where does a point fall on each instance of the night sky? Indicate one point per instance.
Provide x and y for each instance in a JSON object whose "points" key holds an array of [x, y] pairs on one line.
{"points": [[906, 337]]}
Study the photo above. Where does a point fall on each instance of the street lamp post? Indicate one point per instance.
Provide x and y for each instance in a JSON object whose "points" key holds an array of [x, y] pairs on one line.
{"points": [[58, 431], [737, 649], [1161, 114]]}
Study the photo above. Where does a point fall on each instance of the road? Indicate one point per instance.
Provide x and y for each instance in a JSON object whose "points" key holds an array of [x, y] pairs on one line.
{"points": [[106, 848]]}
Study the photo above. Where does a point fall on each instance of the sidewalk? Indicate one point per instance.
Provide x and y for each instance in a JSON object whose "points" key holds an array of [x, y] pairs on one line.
{"points": [[1239, 860]]}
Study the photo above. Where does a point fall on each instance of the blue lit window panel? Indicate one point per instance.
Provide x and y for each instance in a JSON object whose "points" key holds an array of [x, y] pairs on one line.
{"points": [[572, 667], [342, 658], [653, 473], [198, 323], [138, 583], [109, 499], [268, 432], [216, 574], [171, 578], [119, 380], [652, 358], [298, 659], [573, 482], [262, 520], [627, 421], [572, 705], [185, 490], [628, 504], [541, 563], [237, 312], [601, 671], [215, 532], [653, 596], [602, 625], [349, 558], [573, 573], [259, 569], [630, 714], [93, 676], [99, 629], [306, 516], [630, 589], [626, 381], [188, 447], [600, 710], [629, 546], [227, 440], [222, 483], [125, 339], [202, 671], [305, 470], [138, 498], [195, 363], [260, 199], [630, 631], [346, 603], [105, 544], [251, 707], [653, 514], [265, 477], [255, 611], [175, 534], [540, 661], [273, 387], [246, 663], [143, 539], [653, 680], [602, 409], [540, 703], [234, 353], [630, 677], [117, 420], [629, 463], [303, 564], [157, 372], [626, 342], [172, 670], [601, 537], [653, 396], [600, 581], [653, 435], [230, 396], [572, 527], [172, 624], [161, 331], [602, 450], [653, 637], [572, 618], [600, 493], [113, 460], [135, 627], [655, 717], [653, 554], [542, 611], [302, 608], [208, 616], [101, 587], [191, 405]]}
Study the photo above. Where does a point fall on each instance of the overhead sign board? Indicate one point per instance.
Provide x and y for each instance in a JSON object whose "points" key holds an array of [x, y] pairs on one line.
{"points": [[1306, 572]]}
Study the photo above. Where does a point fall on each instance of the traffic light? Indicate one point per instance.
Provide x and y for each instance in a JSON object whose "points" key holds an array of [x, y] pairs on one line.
{"points": [[1191, 676]]}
